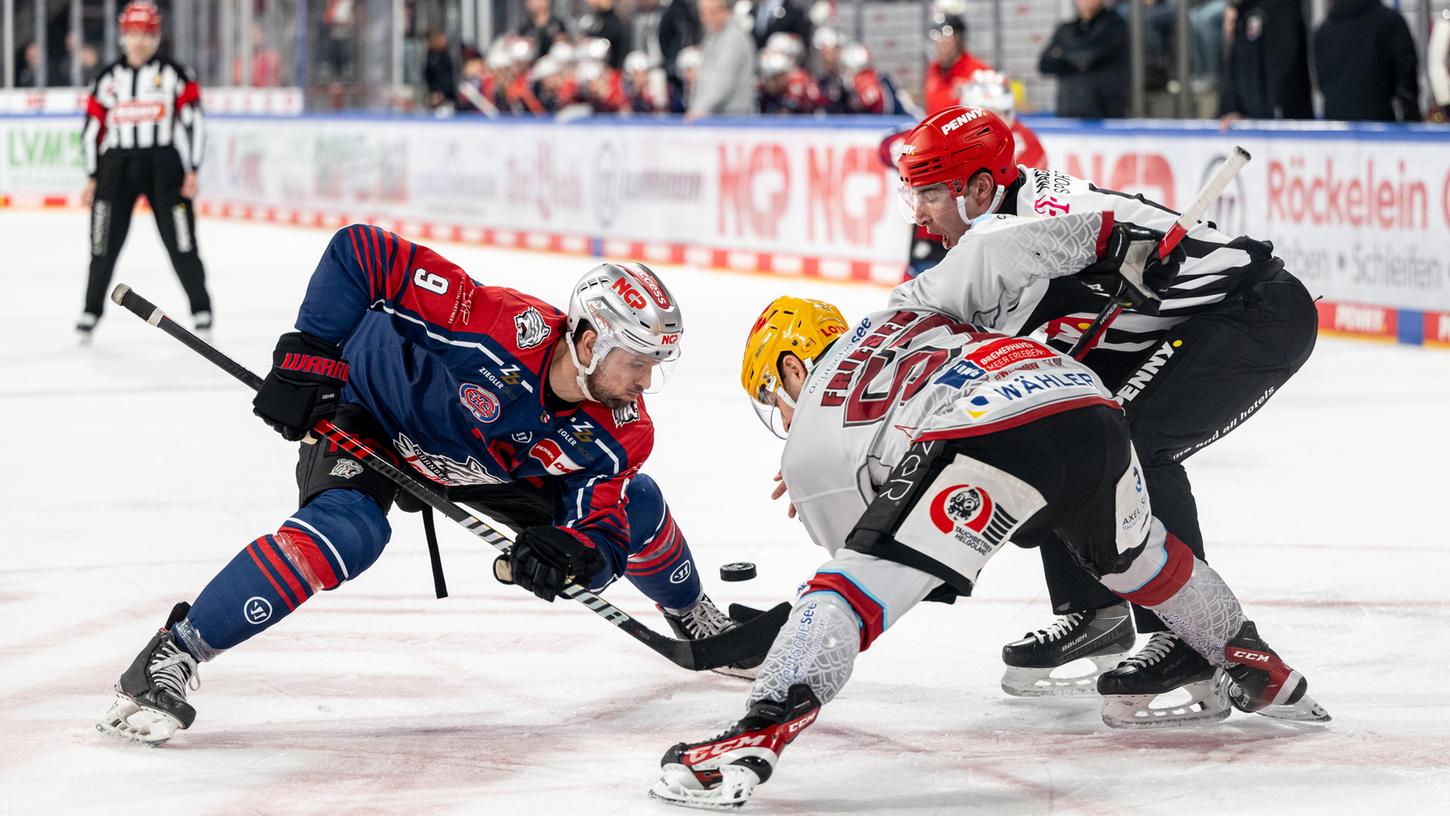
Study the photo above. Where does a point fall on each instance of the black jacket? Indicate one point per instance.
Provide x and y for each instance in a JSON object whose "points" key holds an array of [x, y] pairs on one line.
{"points": [[544, 35], [607, 25], [679, 28], [1267, 72], [1366, 63], [1090, 61], [438, 75]]}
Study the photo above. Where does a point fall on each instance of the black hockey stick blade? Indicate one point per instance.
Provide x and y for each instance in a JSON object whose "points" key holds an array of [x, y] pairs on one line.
{"points": [[739, 644]]}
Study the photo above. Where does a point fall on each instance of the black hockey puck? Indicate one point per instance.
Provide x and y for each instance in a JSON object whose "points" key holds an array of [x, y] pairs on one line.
{"points": [[738, 571]]}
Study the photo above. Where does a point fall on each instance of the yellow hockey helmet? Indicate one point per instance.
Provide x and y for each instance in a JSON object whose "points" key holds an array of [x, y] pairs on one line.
{"points": [[789, 324]]}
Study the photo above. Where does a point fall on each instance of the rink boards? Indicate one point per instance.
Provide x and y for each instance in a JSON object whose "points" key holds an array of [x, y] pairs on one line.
{"points": [[1361, 214]]}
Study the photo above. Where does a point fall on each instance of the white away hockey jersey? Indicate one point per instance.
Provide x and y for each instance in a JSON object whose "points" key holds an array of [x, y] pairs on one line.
{"points": [[921, 369]]}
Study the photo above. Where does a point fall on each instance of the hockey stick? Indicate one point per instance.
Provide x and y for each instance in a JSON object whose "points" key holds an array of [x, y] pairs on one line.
{"points": [[1191, 215], [747, 641]]}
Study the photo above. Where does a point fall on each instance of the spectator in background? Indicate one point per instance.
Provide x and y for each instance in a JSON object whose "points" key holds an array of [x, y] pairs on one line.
{"points": [[266, 62], [687, 68], [542, 26], [644, 84], [865, 90], [337, 40], [645, 28], [1366, 63], [1267, 73], [602, 23], [679, 29], [768, 17], [726, 83], [27, 74], [1089, 57], [785, 87], [438, 76], [827, 44], [474, 88], [953, 66]]}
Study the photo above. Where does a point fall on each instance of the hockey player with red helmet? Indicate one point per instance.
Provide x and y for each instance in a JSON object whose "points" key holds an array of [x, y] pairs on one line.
{"points": [[1231, 328], [918, 442]]}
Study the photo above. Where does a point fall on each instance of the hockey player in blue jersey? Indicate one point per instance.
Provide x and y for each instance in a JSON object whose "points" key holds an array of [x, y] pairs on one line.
{"points": [[498, 398]]}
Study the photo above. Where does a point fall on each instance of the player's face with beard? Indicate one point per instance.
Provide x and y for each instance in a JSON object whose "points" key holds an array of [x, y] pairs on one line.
{"points": [[620, 378]]}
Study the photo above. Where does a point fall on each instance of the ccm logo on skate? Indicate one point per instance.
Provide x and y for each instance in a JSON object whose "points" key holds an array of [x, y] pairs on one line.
{"points": [[1240, 654], [482, 404], [698, 755], [257, 610]]}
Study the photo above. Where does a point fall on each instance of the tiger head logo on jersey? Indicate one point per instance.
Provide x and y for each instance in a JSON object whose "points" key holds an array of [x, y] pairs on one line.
{"points": [[532, 330]]}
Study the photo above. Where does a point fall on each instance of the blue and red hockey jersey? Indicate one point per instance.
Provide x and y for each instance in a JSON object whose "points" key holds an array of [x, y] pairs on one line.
{"points": [[456, 372]]}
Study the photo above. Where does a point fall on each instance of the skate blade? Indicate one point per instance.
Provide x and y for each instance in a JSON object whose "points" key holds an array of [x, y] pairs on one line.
{"points": [[132, 722], [1307, 710], [678, 786], [1206, 704], [744, 674], [1022, 682]]}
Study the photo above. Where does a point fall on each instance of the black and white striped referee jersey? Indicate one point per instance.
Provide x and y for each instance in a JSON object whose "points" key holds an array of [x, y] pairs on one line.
{"points": [[156, 105]]}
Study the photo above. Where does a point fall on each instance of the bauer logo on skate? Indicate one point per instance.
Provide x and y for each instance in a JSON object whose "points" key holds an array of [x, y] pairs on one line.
{"points": [[479, 402]]}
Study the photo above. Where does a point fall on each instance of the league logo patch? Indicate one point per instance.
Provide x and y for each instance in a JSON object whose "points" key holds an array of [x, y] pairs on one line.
{"points": [[346, 469], [968, 514], [532, 330], [479, 402], [257, 610], [522, 437], [961, 372]]}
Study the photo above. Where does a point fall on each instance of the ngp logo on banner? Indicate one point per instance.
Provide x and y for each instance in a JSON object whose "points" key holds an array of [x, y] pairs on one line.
{"points": [[843, 187]]}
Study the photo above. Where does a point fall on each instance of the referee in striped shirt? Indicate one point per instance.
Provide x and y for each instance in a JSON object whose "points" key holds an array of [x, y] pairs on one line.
{"points": [[143, 136]]}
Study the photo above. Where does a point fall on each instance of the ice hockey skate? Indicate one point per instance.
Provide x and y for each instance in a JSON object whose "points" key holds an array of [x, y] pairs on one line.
{"points": [[703, 620], [150, 704], [1259, 681], [1102, 636], [86, 327], [722, 772], [1132, 691]]}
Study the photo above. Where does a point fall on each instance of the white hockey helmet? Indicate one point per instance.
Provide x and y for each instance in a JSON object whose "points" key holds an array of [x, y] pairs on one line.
{"points": [[629, 308], [990, 90]]}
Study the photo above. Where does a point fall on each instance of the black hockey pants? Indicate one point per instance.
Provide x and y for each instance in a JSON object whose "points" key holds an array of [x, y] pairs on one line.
{"points": [[1220, 368], [122, 176]]}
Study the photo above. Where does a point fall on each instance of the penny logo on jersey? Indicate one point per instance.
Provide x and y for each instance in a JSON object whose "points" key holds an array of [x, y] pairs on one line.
{"points": [[479, 402], [968, 514], [532, 330], [554, 459]]}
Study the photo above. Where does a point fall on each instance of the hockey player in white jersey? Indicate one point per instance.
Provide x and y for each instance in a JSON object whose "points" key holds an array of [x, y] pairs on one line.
{"points": [[917, 445], [1233, 327]]}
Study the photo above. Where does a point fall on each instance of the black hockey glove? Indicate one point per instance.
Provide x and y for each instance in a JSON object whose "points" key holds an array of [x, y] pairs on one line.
{"points": [[302, 387], [544, 559], [1132, 259]]}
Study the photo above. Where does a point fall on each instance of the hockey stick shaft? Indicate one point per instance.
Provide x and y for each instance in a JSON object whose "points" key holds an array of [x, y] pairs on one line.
{"points": [[734, 646], [1191, 215]]}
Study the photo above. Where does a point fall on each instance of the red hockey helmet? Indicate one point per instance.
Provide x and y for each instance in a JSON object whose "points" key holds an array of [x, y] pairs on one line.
{"points": [[140, 16], [955, 144]]}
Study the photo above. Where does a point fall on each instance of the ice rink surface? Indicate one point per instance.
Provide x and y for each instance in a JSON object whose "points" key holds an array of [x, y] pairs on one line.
{"points": [[134, 470]]}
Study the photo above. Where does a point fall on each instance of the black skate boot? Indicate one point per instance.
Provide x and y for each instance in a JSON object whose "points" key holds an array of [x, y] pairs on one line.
{"points": [[1103, 636], [704, 620], [1165, 665], [1261, 682], [722, 772], [86, 327], [150, 702]]}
